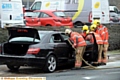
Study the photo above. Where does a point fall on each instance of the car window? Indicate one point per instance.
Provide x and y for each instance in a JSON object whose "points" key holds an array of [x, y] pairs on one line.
{"points": [[59, 14], [25, 39], [65, 37], [37, 14], [44, 15], [36, 6], [118, 14], [43, 33], [116, 10], [56, 38], [32, 14]]}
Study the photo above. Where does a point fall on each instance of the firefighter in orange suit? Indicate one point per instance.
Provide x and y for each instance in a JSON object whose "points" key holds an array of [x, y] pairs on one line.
{"points": [[99, 42], [103, 31], [85, 31], [79, 44]]}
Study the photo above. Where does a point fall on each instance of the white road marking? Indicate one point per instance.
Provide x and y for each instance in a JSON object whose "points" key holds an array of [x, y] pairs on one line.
{"points": [[90, 77], [86, 77]]}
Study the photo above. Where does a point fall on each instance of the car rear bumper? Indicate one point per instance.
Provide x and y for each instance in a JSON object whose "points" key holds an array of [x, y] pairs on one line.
{"points": [[70, 25], [23, 60], [33, 24]]}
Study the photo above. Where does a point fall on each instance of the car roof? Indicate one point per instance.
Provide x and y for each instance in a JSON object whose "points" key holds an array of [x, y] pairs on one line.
{"points": [[49, 32]]}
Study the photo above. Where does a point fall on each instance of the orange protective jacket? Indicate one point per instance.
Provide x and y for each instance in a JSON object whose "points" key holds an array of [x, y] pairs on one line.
{"points": [[77, 39], [105, 41], [101, 32], [83, 34], [97, 37]]}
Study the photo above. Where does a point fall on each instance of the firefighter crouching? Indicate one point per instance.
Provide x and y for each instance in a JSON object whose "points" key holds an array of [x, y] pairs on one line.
{"points": [[103, 32], [85, 31], [99, 42], [79, 44]]}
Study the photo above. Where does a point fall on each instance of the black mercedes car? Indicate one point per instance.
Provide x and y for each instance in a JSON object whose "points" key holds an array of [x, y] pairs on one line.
{"points": [[42, 49]]}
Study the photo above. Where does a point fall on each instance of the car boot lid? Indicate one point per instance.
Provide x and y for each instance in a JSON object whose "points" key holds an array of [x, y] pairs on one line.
{"points": [[23, 32]]}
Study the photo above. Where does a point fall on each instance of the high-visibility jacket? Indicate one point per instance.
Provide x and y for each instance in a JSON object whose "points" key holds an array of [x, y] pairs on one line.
{"points": [[105, 41], [77, 39], [100, 31], [97, 37], [84, 34]]}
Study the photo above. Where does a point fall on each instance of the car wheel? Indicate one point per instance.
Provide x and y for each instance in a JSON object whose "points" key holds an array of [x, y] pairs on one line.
{"points": [[13, 68], [78, 24], [48, 25], [50, 64]]}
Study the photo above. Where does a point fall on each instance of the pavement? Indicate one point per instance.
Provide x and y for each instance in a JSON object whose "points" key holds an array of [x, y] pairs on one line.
{"points": [[115, 64], [113, 61]]}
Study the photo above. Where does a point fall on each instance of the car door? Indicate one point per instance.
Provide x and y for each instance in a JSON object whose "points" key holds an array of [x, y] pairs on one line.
{"points": [[70, 52], [91, 49], [46, 20], [60, 47]]}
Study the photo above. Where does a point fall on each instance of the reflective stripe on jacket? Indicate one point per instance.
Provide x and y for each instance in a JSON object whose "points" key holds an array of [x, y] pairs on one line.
{"points": [[77, 39]]}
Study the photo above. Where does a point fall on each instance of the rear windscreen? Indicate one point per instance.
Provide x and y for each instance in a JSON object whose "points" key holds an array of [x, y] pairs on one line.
{"points": [[23, 39], [60, 14]]}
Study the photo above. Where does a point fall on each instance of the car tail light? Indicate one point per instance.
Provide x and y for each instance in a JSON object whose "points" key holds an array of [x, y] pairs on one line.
{"points": [[57, 20], [90, 16], [33, 50], [111, 19]]}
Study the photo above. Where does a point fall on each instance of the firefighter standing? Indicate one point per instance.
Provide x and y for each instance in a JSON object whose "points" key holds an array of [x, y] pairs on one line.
{"points": [[78, 43], [85, 31], [99, 42], [103, 32]]}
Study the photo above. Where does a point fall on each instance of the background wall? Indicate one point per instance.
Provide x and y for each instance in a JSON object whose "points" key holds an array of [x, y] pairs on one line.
{"points": [[115, 2]]}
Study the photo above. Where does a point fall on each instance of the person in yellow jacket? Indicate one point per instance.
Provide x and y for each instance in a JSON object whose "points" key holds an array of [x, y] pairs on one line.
{"points": [[99, 42]]}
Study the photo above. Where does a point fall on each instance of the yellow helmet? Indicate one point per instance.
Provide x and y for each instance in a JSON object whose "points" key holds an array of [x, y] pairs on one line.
{"points": [[68, 31], [93, 27], [85, 27], [96, 22]]}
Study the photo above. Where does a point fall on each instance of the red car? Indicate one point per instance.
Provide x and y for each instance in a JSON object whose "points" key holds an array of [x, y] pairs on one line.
{"points": [[54, 18], [31, 19]]}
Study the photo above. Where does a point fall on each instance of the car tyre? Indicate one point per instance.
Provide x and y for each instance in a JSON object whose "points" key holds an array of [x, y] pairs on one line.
{"points": [[48, 25], [78, 24], [13, 68], [51, 64]]}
